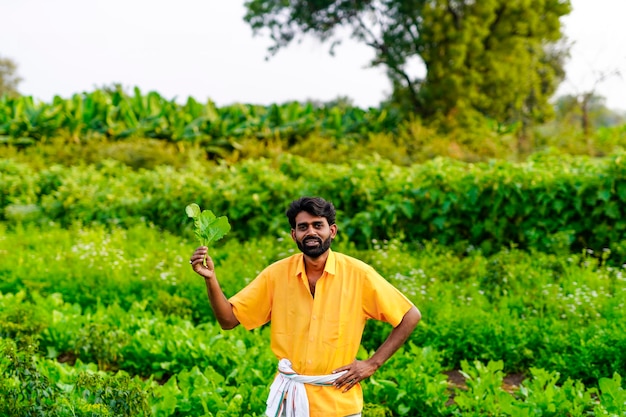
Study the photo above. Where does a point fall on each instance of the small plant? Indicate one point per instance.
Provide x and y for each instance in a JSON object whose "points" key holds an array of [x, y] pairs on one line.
{"points": [[612, 397], [208, 228]]}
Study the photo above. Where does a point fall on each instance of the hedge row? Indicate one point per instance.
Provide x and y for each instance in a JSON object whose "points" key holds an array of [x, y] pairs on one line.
{"points": [[545, 203], [118, 115]]}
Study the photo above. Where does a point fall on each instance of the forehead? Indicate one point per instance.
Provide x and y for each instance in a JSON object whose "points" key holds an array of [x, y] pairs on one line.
{"points": [[307, 218]]}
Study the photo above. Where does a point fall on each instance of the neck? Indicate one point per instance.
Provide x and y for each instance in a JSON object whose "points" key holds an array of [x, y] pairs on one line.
{"points": [[315, 264]]}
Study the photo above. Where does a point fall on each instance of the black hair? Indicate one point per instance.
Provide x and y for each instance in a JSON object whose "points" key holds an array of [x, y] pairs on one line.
{"points": [[315, 206]]}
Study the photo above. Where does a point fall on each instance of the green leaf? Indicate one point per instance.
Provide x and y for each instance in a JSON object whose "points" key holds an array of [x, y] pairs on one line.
{"points": [[604, 195], [612, 210], [192, 210], [621, 191], [208, 227], [212, 228]]}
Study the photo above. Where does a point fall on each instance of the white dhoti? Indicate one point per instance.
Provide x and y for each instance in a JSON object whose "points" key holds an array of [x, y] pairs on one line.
{"points": [[287, 393]]}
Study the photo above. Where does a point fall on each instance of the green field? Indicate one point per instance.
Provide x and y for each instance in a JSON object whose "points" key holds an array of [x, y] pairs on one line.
{"points": [[118, 313], [518, 268]]}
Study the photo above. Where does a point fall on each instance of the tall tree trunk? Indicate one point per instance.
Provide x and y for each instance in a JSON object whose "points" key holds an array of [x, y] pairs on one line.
{"points": [[586, 122]]}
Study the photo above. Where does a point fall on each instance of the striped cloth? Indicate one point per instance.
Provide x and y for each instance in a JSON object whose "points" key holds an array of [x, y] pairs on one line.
{"points": [[287, 393]]}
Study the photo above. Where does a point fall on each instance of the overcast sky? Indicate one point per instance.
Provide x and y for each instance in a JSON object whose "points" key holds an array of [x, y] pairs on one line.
{"points": [[202, 48]]}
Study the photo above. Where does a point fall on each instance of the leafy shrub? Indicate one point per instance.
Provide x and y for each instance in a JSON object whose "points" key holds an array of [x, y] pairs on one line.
{"points": [[545, 204], [34, 387], [20, 318]]}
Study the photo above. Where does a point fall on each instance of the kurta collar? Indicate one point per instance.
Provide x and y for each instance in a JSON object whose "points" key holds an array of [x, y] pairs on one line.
{"points": [[330, 268]]}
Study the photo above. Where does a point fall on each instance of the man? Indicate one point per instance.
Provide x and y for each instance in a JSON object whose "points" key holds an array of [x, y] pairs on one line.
{"points": [[317, 302]]}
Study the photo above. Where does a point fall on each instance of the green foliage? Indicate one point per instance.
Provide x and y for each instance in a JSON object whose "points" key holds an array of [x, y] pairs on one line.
{"points": [[110, 115], [208, 228], [560, 312], [612, 397], [548, 203], [9, 79], [101, 343], [25, 391], [137, 153], [375, 410], [32, 386], [118, 395], [146, 130], [20, 318], [493, 58], [101, 315], [543, 396], [573, 109], [411, 383], [137, 310], [484, 395]]}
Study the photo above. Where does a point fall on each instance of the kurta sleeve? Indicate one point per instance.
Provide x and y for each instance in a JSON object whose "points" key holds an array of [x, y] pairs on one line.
{"points": [[383, 301], [253, 304]]}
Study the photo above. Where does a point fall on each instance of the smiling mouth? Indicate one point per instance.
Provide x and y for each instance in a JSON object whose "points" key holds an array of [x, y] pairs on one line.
{"points": [[312, 242]]}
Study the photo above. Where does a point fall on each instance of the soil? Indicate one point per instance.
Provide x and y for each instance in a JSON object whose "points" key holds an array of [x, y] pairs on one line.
{"points": [[456, 380], [68, 358]]}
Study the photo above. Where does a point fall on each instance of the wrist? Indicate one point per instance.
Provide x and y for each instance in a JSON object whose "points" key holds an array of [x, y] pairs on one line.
{"points": [[374, 362]]}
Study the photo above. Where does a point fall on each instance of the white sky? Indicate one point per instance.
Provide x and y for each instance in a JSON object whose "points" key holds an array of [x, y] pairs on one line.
{"points": [[202, 48]]}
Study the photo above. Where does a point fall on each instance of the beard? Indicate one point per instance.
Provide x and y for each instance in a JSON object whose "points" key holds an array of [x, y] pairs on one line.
{"points": [[314, 251]]}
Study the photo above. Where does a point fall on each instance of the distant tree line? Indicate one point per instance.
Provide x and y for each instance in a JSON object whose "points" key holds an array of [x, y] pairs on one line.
{"points": [[485, 61], [8, 77], [499, 59]]}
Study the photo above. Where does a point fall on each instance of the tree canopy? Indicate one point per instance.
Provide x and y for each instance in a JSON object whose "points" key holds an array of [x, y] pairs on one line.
{"points": [[502, 59], [8, 77]]}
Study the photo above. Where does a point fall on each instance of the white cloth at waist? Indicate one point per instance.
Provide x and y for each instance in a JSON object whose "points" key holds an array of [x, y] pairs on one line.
{"points": [[290, 385]]}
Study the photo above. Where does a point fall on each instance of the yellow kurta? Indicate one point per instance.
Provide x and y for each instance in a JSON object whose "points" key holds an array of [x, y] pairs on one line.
{"points": [[322, 333]]}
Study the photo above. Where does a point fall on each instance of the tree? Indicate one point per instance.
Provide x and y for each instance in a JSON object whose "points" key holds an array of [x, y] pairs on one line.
{"points": [[588, 101], [8, 77], [496, 58]]}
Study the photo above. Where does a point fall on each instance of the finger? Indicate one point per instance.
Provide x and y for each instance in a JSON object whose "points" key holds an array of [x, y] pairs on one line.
{"points": [[344, 369], [201, 251], [199, 254], [345, 379], [351, 383], [196, 260]]}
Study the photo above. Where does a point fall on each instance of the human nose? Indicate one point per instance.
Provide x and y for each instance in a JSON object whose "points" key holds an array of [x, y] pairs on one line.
{"points": [[310, 231]]}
